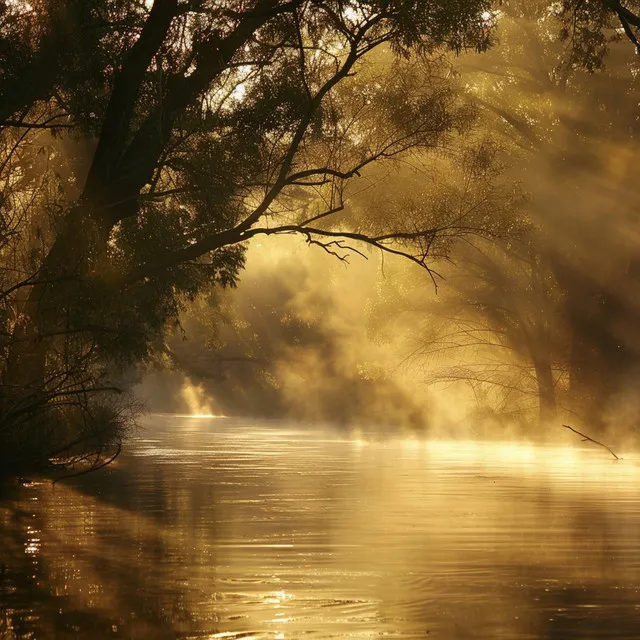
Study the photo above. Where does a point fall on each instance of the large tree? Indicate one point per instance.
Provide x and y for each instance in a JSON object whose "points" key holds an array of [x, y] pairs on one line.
{"points": [[143, 144], [568, 133], [591, 26]]}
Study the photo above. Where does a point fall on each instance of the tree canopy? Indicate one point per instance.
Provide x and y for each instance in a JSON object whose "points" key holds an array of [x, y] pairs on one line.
{"points": [[144, 143]]}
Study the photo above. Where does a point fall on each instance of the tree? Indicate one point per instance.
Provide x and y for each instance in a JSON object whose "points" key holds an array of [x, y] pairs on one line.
{"points": [[570, 134], [174, 132], [503, 326], [590, 27]]}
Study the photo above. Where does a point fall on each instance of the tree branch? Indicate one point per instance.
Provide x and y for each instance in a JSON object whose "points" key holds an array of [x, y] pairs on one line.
{"points": [[20, 124], [587, 438], [211, 58], [126, 87]]}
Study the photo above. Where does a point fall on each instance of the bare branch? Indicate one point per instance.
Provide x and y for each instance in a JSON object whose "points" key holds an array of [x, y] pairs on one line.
{"points": [[21, 124], [589, 439]]}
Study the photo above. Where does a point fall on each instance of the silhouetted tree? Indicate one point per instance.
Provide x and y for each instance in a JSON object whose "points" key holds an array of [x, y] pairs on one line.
{"points": [[590, 27], [169, 134], [568, 130], [505, 321]]}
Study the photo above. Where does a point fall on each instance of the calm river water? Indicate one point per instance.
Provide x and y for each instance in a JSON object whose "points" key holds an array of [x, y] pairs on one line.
{"points": [[227, 528]]}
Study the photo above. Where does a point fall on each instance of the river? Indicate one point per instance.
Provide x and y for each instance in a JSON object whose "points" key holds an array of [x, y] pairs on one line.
{"points": [[227, 528]]}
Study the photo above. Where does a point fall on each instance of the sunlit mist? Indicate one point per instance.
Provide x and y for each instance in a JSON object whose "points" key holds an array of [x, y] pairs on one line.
{"points": [[199, 406], [319, 319]]}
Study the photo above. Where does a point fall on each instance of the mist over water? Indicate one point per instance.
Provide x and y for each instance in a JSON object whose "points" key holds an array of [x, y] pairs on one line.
{"points": [[227, 528], [300, 341], [530, 327]]}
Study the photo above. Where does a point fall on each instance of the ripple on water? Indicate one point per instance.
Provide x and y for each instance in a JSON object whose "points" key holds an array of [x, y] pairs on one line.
{"points": [[221, 528]]}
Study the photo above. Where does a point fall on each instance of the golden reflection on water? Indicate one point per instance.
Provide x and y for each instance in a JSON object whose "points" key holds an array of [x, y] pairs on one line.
{"points": [[228, 529]]}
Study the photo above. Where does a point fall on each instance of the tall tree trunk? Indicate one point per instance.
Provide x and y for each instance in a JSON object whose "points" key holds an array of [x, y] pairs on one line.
{"points": [[546, 391]]}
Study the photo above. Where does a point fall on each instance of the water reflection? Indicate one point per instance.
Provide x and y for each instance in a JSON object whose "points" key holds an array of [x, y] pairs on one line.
{"points": [[224, 529]]}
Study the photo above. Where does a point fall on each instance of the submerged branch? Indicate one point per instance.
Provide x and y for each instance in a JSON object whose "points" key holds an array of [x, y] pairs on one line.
{"points": [[588, 439], [98, 464]]}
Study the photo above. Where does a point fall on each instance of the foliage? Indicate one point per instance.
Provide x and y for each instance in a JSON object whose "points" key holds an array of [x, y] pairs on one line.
{"points": [[545, 320], [589, 28], [144, 144]]}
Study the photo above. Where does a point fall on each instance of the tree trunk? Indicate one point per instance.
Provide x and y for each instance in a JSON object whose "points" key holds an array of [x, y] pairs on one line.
{"points": [[546, 391], [31, 376]]}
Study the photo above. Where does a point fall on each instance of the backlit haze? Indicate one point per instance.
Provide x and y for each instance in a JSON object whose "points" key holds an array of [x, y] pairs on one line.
{"points": [[319, 319], [550, 292]]}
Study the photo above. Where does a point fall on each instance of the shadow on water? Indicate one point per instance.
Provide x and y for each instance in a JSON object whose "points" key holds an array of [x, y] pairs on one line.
{"points": [[220, 530], [37, 596]]}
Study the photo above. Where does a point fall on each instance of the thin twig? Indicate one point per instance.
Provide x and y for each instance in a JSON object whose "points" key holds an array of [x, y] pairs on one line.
{"points": [[587, 438], [90, 469]]}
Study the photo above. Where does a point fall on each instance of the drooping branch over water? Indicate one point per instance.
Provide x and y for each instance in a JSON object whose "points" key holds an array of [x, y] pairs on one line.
{"points": [[145, 146], [202, 125], [586, 438]]}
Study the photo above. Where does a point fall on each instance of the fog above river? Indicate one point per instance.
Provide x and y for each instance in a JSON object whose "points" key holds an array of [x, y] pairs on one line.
{"points": [[534, 322], [319, 319], [236, 528]]}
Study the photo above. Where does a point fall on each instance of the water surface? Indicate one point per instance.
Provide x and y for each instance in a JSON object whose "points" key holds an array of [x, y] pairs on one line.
{"points": [[227, 528]]}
